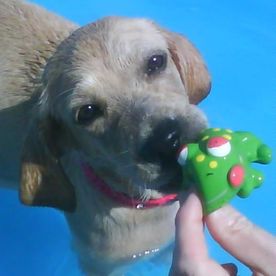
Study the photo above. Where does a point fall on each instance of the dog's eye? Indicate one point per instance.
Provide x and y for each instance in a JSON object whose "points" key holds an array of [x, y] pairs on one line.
{"points": [[156, 63], [87, 113]]}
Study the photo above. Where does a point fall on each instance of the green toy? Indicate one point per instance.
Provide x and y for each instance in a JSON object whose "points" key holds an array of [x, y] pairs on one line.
{"points": [[219, 165]]}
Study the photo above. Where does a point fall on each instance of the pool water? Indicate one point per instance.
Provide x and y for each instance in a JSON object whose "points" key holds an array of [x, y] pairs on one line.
{"points": [[238, 42]]}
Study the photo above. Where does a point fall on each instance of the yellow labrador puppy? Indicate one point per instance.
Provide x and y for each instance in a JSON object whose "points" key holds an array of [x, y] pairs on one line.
{"points": [[91, 119]]}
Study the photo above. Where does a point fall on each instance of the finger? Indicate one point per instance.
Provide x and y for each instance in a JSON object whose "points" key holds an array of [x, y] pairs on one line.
{"points": [[190, 256], [190, 241], [257, 274], [244, 240], [231, 269]]}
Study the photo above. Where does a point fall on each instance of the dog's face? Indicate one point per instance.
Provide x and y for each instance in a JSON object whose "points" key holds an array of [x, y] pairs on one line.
{"points": [[120, 93]]}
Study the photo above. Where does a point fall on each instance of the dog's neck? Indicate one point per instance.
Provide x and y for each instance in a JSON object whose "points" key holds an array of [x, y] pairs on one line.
{"points": [[120, 236], [104, 231]]}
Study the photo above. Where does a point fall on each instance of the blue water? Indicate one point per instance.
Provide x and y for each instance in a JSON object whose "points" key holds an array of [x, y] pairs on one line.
{"points": [[238, 42]]}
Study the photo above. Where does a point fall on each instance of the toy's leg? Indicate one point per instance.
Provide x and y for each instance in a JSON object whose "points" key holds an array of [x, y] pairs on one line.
{"points": [[264, 154], [254, 180]]}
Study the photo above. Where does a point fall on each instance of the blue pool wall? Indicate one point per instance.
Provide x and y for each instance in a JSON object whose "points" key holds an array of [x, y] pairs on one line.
{"points": [[237, 40]]}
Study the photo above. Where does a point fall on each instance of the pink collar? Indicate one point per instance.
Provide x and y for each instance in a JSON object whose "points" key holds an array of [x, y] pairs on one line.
{"points": [[122, 198]]}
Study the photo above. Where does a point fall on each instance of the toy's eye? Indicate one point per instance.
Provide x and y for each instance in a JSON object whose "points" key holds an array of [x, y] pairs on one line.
{"points": [[218, 146], [183, 154]]}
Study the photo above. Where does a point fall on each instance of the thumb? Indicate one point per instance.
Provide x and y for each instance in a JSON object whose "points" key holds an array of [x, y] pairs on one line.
{"points": [[244, 240]]}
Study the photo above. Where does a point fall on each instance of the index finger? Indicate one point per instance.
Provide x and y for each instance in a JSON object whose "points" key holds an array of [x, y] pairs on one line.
{"points": [[247, 242]]}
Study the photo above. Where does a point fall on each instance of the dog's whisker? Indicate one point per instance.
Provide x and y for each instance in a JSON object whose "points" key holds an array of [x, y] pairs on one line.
{"points": [[123, 152], [64, 92], [127, 166]]}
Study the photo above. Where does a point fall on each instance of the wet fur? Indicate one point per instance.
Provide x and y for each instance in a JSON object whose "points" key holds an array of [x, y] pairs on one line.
{"points": [[49, 68]]}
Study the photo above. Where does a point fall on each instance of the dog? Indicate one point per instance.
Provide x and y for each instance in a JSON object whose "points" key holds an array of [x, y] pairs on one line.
{"points": [[91, 120]]}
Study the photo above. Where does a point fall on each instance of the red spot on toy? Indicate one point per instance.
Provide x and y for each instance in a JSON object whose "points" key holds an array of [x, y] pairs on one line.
{"points": [[218, 146], [216, 142], [236, 175]]}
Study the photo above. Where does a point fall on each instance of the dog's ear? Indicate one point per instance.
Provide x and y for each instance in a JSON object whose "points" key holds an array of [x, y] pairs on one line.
{"points": [[190, 66], [43, 181]]}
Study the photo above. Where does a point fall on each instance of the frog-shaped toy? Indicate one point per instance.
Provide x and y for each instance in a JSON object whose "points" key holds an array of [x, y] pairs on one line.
{"points": [[219, 165]]}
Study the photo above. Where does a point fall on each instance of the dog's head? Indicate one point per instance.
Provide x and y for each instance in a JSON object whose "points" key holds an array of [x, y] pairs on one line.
{"points": [[121, 93]]}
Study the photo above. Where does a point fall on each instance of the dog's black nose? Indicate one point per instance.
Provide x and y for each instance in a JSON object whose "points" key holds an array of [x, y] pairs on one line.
{"points": [[164, 141]]}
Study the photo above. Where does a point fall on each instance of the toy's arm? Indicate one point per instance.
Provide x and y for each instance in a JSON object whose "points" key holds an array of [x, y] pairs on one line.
{"points": [[255, 149], [184, 160], [264, 154]]}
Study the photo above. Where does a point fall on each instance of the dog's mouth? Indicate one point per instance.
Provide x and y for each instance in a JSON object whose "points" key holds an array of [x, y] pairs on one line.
{"points": [[173, 184], [167, 193]]}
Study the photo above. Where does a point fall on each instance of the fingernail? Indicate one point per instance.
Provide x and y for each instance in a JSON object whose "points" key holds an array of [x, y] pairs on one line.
{"points": [[229, 217], [223, 214]]}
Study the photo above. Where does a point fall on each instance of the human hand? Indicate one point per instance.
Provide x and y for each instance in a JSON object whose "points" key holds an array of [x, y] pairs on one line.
{"points": [[248, 243]]}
